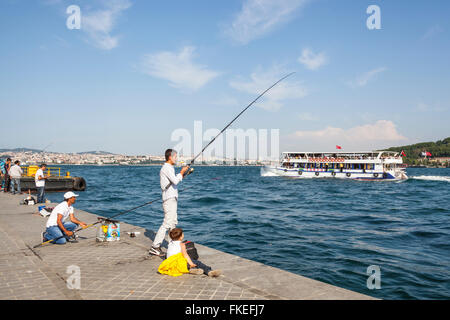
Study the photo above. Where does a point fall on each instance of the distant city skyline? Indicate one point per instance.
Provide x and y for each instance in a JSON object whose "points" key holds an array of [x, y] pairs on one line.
{"points": [[136, 71]]}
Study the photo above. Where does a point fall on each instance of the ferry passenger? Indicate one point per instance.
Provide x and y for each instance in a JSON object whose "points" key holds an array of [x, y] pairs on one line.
{"points": [[56, 227], [168, 183]]}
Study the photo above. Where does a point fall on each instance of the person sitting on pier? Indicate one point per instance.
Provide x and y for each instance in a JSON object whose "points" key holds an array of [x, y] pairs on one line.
{"points": [[178, 260], [56, 227]]}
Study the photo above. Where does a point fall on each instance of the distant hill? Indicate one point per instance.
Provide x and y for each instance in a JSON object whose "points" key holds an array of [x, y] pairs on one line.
{"points": [[96, 152], [21, 150], [439, 148], [38, 151]]}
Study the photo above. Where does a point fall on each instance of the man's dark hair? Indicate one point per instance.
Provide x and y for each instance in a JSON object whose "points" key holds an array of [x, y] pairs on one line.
{"points": [[43, 165], [8, 159], [168, 153], [16, 162]]}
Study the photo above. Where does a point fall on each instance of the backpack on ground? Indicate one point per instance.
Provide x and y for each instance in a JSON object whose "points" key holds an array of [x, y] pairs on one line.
{"points": [[191, 250]]}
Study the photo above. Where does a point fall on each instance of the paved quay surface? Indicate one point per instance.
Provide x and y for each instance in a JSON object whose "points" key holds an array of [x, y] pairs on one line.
{"points": [[124, 270]]}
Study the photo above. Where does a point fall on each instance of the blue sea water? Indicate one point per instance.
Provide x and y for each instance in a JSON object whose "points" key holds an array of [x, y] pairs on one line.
{"points": [[330, 230]]}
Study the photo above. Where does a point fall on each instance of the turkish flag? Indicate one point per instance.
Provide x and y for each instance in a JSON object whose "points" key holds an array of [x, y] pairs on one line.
{"points": [[428, 154], [403, 154], [338, 147]]}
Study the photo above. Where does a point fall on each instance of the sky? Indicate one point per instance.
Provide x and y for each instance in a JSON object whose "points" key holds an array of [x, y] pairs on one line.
{"points": [[136, 71]]}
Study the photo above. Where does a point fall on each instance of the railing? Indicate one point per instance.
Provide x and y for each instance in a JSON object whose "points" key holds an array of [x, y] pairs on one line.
{"points": [[30, 171]]}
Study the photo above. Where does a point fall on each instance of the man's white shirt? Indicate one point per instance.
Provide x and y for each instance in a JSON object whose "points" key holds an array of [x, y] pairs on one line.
{"points": [[15, 171], [39, 183], [62, 209], [167, 176]]}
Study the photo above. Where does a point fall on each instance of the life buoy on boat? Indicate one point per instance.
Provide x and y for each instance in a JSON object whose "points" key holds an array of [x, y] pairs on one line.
{"points": [[348, 174], [317, 174], [300, 172], [333, 174], [375, 175], [79, 184]]}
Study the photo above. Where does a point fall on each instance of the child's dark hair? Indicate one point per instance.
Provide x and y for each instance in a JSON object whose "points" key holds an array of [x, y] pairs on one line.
{"points": [[175, 234]]}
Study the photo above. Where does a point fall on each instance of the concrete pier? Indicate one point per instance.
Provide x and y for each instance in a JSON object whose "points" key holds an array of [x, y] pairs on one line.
{"points": [[124, 270]]}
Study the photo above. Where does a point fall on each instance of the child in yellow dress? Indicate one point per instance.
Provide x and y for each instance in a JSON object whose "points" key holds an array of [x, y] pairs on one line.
{"points": [[178, 260]]}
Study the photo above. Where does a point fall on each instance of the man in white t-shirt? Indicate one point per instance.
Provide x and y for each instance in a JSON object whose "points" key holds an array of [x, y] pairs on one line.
{"points": [[39, 179], [57, 228]]}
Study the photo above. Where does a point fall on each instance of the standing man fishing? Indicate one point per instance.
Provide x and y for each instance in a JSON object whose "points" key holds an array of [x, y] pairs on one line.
{"points": [[169, 182], [39, 179]]}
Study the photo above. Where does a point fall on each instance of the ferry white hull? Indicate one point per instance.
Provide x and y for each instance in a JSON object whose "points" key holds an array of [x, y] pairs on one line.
{"points": [[391, 175]]}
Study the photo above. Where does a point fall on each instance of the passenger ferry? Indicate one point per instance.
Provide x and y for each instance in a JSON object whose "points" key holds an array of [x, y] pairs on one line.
{"points": [[373, 165]]}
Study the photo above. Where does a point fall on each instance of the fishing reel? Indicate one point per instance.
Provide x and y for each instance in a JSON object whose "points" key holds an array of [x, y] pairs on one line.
{"points": [[188, 172], [73, 238]]}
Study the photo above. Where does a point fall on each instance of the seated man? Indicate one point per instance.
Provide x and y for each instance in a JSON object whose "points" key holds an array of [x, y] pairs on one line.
{"points": [[56, 227]]}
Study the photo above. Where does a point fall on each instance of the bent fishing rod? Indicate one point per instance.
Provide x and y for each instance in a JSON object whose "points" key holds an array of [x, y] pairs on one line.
{"points": [[230, 123], [114, 216], [190, 164]]}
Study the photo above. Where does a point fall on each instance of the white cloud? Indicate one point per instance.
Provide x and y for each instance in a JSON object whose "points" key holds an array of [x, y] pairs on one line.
{"points": [[311, 60], [99, 24], [363, 79], [423, 107], [260, 80], [307, 116], [364, 137], [431, 32], [178, 68], [259, 17]]}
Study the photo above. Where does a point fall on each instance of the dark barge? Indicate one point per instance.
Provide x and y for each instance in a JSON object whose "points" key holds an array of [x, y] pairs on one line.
{"points": [[57, 182]]}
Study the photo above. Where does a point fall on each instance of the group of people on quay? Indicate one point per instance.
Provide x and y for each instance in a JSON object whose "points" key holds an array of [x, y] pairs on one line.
{"points": [[180, 257], [11, 173]]}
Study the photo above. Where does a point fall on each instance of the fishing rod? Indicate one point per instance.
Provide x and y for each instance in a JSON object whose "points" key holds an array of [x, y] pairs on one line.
{"points": [[229, 124], [114, 216], [192, 161]]}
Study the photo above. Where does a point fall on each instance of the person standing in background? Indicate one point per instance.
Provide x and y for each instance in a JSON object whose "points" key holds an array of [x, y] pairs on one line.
{"points": [[39, 180], [6, 178], [15, 173], [2, 173]]}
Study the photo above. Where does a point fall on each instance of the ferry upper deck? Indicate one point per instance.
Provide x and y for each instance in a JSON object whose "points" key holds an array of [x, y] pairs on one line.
{"points": [[364, 156]]}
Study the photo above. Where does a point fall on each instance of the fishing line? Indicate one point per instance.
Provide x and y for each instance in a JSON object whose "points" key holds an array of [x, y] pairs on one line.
{"points": [[189, 165], [116, 215]]}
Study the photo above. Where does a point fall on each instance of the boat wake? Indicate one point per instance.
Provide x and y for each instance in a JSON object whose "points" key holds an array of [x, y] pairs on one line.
{"points": [[268, 174], [431, 178]]}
